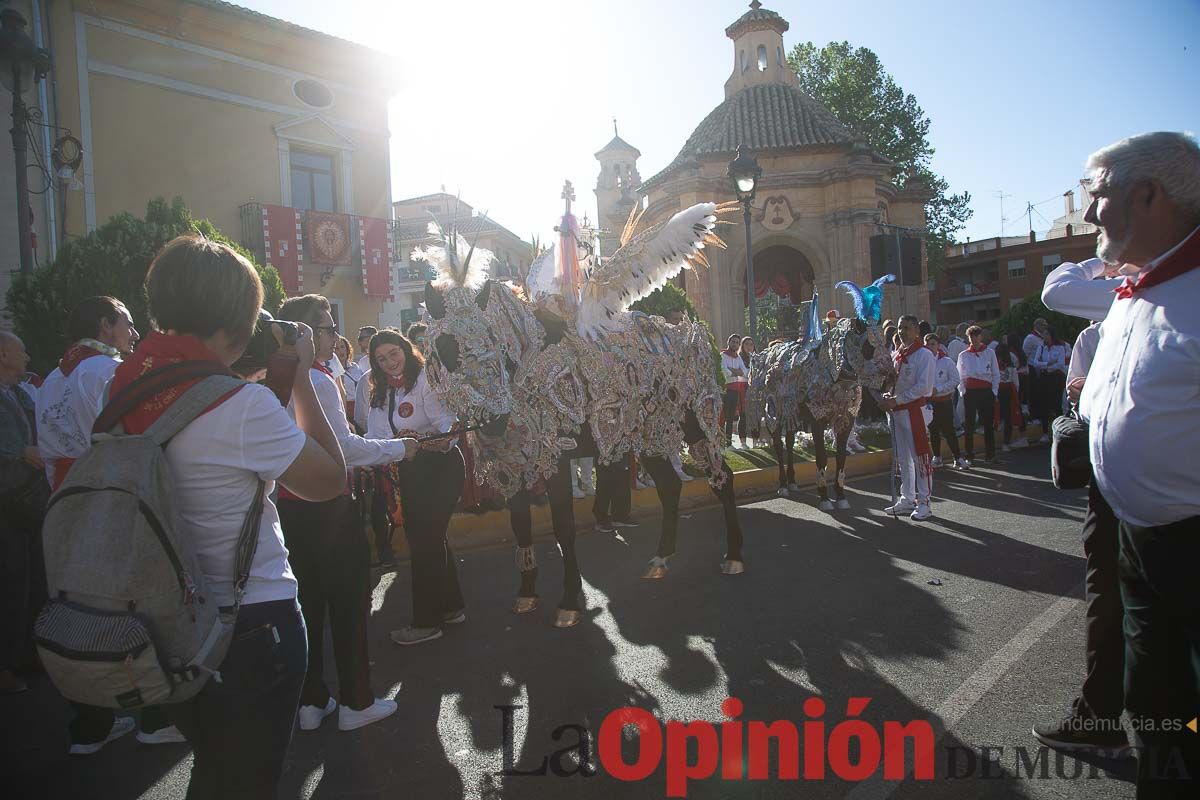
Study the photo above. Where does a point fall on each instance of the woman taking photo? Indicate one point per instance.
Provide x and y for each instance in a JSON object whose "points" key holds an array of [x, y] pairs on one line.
{"points": [[403, 405], [204, 300]]}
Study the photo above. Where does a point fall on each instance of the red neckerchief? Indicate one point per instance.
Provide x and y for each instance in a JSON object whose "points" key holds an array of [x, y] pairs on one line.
{"points": [[941, 352], [979, 349], [322, 367], [75, 355], [398, 383], [158, 350], [1185, 259], [901, 355]]}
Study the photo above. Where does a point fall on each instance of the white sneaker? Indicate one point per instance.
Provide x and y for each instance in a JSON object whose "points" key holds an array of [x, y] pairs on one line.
{"points": [[922, 511], [312, 716], [937, 461], [901, 507], [1019, 443], [683, 476], [962, 463], [349, 719], [1044, 440], [167, 735], [120, 727], [1005, 448], [577, 493]]}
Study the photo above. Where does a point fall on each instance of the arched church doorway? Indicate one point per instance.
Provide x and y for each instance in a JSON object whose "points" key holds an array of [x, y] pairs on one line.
{"points": [[783, 280]]}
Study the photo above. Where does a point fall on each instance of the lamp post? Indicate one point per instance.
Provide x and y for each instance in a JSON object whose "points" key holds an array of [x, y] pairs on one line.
{"points": [[745, 172], [22, 64]]}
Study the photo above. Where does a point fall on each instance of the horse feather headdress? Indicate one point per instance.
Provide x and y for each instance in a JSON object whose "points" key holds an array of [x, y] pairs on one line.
{"points": [[456, 262], [645, 262], [868, 301]]}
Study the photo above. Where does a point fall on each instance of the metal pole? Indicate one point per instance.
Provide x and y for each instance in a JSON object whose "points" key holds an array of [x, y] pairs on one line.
{"points": [[750, 274], [19, 149]]}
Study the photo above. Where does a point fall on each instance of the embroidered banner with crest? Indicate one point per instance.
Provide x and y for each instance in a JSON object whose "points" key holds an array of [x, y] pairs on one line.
{"points": [[283, 246]]}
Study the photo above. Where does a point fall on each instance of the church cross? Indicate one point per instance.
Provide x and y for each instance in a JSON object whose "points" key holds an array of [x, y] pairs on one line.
{"points": [[568, 194]]}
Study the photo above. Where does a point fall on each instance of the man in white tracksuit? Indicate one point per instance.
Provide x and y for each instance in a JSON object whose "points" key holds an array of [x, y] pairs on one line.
{"points": [[916, 366]]}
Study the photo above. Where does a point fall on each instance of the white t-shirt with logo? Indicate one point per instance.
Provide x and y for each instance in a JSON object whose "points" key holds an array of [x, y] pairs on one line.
{"points": [[216, 462], [67, 407]]}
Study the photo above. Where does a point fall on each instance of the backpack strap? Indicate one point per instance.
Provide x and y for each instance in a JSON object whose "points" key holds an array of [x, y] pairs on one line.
{"points": [[150, 384], [247, 545], [191, 404]]}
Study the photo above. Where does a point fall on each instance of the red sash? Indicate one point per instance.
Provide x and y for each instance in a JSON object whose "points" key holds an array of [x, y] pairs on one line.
{"points": [[916, 419], [1185, 259]]}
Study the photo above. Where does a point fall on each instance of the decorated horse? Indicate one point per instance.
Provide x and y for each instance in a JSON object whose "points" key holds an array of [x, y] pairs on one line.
{"points": [[559, 373], [816, 382]]}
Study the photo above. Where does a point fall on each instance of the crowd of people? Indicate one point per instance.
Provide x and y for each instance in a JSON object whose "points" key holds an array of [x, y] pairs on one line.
{"points": [[344, 442]]}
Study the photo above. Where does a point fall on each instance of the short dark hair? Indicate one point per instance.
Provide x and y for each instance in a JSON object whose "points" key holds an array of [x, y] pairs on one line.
{"points": [[926, 328], [84, 320], [416, 329], [367, 330], [909, 318], [198, 286], [303, 308]]}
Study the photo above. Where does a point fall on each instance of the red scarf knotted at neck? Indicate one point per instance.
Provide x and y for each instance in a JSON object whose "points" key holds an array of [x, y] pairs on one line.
{"points": [[1185, 259], [977, 349], [916, 416], [901, 355], [76, 354], [319, 366], [158, 350]]}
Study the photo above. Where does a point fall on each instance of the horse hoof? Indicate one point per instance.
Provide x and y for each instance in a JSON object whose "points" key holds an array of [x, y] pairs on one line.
{"points": [[731, 567], [567, 618], [655, 573], [782, 491], [524, 605], [825, 505], [843, 505]]}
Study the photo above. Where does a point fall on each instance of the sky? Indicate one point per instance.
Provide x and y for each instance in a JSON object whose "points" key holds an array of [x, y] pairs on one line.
{"points": [[503, 101]]}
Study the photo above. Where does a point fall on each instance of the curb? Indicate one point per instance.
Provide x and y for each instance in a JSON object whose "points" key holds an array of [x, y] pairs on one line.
{"points": [[492, 528]]}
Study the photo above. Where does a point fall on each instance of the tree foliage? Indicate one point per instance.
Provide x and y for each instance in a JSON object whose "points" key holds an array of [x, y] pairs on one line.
{"points": [[1019, 319], [852, 83], [111, 260]]}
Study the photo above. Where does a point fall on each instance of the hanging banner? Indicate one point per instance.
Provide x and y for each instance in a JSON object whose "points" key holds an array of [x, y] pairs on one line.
{"points": [[328, 238], [283, 246], [374, 239]]}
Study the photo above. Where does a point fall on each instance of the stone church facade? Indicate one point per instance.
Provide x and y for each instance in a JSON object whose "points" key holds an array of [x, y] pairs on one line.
{"points": [[822, 194]]}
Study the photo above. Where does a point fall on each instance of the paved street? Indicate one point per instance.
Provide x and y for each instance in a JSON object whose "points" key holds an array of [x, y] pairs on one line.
{"points": [[837, 605]]}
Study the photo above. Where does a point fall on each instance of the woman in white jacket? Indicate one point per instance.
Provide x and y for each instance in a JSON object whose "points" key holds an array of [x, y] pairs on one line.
{"points": [[1051, 360]]}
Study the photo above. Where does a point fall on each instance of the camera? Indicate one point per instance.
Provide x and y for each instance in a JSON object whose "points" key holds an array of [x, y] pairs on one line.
{"points": [[272, 348]]}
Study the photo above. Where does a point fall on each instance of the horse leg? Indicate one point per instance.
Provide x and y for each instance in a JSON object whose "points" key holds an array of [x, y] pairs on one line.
{"points": [[822, 461], [720, 480], [521, 519], [777, 446], [839, 482], [667, 484], [791, 460], [562, 514]]}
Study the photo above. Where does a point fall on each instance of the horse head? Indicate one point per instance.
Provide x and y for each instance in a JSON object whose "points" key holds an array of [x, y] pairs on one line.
{"points": [[867, 356]]}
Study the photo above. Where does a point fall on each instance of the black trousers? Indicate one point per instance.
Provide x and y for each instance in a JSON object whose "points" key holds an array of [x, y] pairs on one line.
{"points": [[1033, 396], [1102, 695], [1052, 385], [430, 486], [731, 413], [614, 495], [979, 406], [1162, 653], [1005, 402], [943, 425], [330, 557]]}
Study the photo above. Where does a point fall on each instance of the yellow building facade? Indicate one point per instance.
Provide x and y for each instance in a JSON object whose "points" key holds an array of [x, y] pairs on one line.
{"points": [[228, 109]]}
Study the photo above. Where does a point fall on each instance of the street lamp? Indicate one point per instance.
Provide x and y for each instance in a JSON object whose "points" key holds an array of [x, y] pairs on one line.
{"points": [[22, 63], [745, 172]]}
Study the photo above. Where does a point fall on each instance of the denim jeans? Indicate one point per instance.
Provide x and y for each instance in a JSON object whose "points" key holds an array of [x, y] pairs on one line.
{"points": [[240, 728]]}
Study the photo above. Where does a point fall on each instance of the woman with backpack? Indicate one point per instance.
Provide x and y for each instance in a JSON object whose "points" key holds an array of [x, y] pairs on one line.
{"points": [[204, 299]]}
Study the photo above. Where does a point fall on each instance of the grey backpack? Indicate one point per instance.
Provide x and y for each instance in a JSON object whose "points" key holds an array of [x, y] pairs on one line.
{"points": [[130, 620]]}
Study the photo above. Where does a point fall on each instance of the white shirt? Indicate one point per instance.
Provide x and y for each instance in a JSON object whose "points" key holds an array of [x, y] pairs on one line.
{"points": [[955, 346], [362, 402], [418, 410], [729, 363], [945, 376], [917, 376], [1008, 372], [351, 375], [981, 366], [1074, 289], [358, 452], [1030, 346], [1083, 352], [1141, 399], [216, 462], [364, 363], [1052, 358], [67, 407]]}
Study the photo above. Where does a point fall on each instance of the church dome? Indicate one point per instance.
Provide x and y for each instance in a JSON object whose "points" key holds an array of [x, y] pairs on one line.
{"points": [[761, 118]]}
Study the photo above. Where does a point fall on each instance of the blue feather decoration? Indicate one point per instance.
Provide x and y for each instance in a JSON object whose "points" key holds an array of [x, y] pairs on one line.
{"points": [[873, 298], [856, 294], [813, 333]]}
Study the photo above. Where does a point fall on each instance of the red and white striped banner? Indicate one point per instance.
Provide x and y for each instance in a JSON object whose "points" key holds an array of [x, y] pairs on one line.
{"points": [[283, 245], [374, 237]]}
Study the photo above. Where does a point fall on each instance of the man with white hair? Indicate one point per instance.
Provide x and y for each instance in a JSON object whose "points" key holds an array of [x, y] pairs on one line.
{"points": [[1141, 399]]}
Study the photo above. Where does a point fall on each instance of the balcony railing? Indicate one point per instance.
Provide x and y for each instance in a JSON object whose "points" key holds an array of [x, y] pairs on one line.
{"points": [[965, 291]]}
